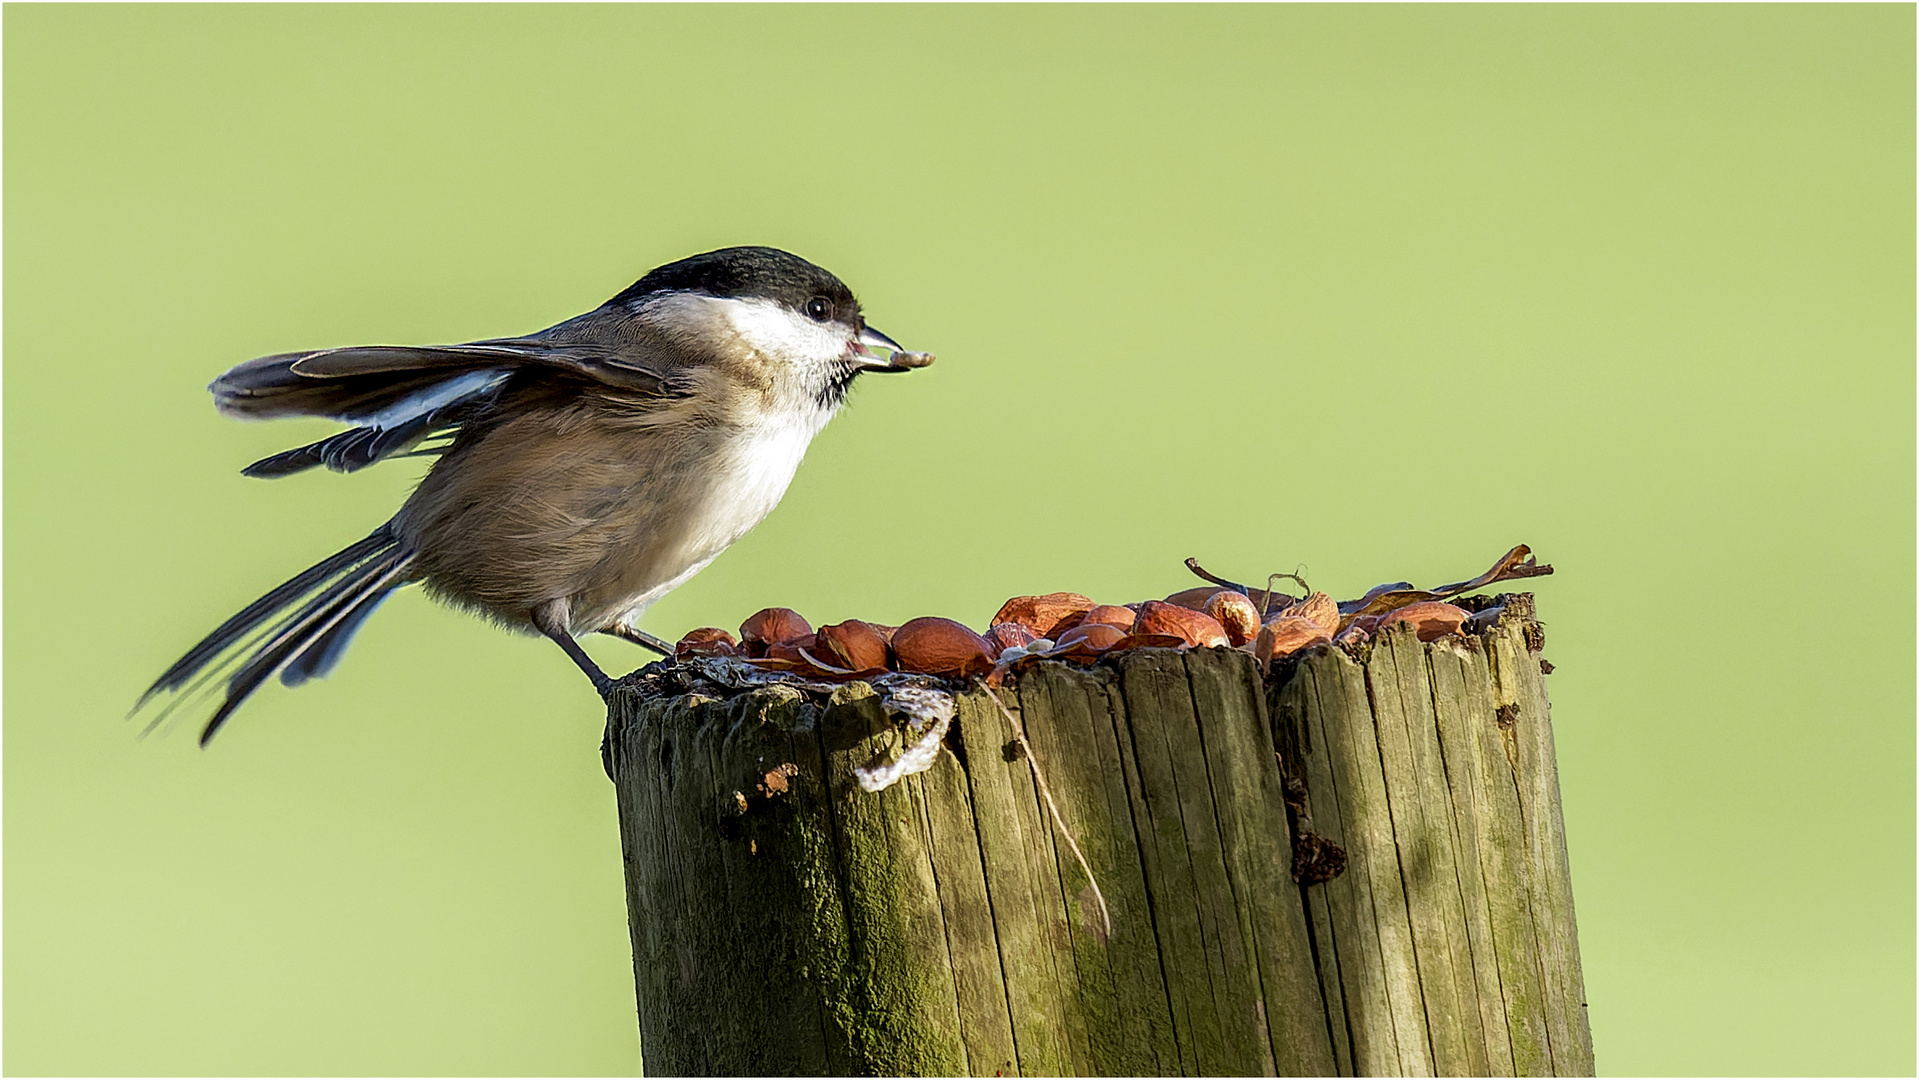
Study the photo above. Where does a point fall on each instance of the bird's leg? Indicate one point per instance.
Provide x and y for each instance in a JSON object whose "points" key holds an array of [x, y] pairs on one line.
{"points": [[640, 637], [550, 619]]}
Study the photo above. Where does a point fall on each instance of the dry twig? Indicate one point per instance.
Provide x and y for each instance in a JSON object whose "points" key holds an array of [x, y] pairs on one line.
{"points": [[1019, 732]]}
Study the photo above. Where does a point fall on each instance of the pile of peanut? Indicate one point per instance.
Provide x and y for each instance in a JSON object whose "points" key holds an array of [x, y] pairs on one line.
{"points": [[1058, 626]]}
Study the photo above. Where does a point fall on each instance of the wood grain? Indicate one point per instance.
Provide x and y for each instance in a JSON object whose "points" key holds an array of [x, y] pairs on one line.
{"points": [[786, 922]]}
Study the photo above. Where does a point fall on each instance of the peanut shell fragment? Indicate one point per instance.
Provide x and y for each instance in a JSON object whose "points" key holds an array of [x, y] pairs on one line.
{"points": [[1041, 614]]}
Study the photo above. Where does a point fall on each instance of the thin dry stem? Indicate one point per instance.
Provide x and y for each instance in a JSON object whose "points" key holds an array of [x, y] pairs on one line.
{"points": [[1019, 732]]}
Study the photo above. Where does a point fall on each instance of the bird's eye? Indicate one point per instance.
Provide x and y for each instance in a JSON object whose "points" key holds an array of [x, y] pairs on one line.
{"points": [[818, 310]]}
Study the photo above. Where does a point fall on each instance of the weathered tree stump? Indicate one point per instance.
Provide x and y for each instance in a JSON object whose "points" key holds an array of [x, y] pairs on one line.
{"points": [[786, 922]]}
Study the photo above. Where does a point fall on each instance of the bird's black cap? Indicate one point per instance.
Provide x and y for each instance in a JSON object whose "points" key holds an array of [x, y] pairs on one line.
{"points": [[747, 272]]}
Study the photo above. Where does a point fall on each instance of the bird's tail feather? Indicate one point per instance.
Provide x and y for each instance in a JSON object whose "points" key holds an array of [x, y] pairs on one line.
{"points": [[297, 631], [318, 658]]}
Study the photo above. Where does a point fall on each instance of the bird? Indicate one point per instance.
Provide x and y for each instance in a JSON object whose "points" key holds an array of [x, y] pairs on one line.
{"points": [[579, 473]]}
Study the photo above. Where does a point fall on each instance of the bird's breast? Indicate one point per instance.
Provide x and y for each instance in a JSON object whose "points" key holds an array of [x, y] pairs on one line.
{"points": [[752, 470], [581, 504]]}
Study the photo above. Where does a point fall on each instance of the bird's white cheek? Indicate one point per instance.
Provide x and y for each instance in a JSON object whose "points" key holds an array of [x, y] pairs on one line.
{"points": [[777, 331]]}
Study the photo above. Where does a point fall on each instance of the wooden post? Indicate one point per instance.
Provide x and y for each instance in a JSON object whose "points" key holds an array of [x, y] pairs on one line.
{"points": [[1447, 947], [786, 922]]}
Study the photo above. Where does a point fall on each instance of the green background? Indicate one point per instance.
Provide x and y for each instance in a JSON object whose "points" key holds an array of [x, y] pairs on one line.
{"points": [[1373, 291]]}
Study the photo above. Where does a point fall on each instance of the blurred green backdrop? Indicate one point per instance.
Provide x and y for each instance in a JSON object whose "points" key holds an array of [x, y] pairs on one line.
{"points": [[1376, 291]]}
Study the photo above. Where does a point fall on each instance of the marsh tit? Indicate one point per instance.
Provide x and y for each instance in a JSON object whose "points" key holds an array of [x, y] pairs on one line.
{"points": [[582, 472]]}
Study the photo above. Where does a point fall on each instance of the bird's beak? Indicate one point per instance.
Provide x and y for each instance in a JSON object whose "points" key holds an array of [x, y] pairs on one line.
{"points": [[896, 358]]}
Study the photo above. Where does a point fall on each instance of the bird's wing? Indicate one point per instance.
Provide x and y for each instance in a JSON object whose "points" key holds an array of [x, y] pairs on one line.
{"points": [[361, 381], [398, 395]]}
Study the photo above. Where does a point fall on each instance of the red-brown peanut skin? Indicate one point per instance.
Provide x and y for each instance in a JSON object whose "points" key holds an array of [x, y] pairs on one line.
{"points": [[1091, 637], [1061, 627], [1357, 631], [790, 650], [1430, 619], [1286, 636], [1137, 640], [1111, 615], [853, 645], [1366, 623], [706, 641], [1196, 627], [935, 646], [769, 626], [1042, 614], [1193, 599]]}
